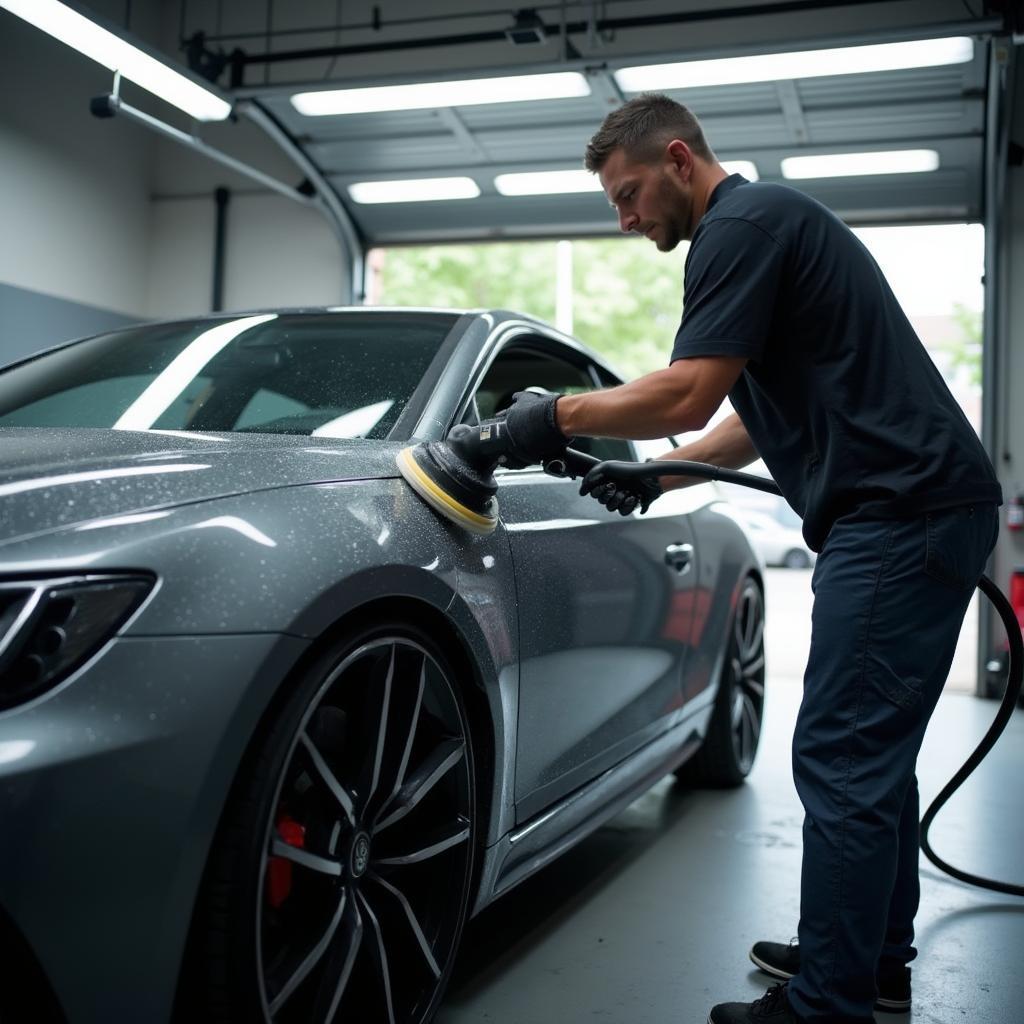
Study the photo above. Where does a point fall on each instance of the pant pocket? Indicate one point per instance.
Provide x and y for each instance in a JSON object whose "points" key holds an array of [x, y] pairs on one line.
{"points": [[954, 552]]}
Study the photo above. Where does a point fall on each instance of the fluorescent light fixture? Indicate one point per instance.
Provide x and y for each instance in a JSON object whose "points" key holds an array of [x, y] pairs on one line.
{"points": [[181, 371], [421, 95], [774, 67], [413, 190], [546, 183], [117, 54], [848, 165], [745, 167]]}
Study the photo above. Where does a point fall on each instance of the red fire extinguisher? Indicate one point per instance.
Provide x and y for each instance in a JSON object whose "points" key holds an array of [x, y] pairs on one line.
{"points": [[1015, 513]]}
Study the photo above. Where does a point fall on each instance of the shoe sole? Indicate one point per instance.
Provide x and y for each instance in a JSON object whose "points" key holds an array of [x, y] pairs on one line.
{"points": [[885, 1005], [772, 972]]}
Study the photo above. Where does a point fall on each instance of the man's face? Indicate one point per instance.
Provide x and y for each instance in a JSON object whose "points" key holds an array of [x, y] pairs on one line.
{"points": [[654, 200]]}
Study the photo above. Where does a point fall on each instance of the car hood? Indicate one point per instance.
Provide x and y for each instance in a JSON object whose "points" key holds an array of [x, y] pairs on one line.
{"points": [[53, 478]]}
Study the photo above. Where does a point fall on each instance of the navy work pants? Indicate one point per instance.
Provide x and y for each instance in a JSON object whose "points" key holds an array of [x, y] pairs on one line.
{"points": [[889, 600]]}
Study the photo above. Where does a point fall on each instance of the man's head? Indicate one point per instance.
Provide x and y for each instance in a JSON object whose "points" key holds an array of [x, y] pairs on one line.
{"points": [[655, 167]]}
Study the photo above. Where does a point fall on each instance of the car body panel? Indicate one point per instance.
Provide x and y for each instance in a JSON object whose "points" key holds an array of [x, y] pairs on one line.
{"points": [[104, 843], [592, 664], [598, 676]]}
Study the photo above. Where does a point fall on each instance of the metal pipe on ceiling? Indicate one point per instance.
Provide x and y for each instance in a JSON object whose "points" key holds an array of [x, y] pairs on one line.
{"points": [[112, 105], [978, 28], [321, 195], [241, 60]]}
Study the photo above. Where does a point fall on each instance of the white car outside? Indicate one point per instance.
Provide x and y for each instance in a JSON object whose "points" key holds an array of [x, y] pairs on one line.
{"points": [[776, 543]]}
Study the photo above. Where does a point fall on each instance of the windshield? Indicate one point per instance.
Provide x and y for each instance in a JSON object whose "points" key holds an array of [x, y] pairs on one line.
{"points": [[328, 375]]}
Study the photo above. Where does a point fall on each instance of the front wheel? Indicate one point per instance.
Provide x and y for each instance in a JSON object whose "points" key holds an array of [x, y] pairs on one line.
{"points": [[339, 883], [727, 754]]}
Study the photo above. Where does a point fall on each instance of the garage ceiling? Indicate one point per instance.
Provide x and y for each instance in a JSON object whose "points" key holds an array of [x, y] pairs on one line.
{"points": [[282, 48]]}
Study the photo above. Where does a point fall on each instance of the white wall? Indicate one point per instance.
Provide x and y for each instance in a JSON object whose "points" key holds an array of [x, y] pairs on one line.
{"points": [[276, 254], [74, 191], [105, 213]]}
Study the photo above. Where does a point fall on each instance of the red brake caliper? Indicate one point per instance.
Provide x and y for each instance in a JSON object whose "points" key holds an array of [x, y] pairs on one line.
{"points": [[279, 870]]}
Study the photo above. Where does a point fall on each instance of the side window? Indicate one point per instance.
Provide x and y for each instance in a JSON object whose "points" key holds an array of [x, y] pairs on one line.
{"points": [[517, 368]]}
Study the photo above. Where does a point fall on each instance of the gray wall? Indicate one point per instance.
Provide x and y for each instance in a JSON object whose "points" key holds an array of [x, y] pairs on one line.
{"points": [[31, 321]]}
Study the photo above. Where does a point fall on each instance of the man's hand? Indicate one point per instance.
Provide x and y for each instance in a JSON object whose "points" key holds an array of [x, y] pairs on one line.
{"points": [[531, 426], [621, 496]]}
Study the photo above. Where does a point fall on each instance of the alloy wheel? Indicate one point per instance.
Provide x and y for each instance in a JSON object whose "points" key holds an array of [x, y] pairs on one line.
{"points": [[367, 854], [747, 665]]}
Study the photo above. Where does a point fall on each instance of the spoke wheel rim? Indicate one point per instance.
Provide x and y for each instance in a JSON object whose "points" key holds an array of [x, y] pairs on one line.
{"points": [[367, 852], [746, 657]]}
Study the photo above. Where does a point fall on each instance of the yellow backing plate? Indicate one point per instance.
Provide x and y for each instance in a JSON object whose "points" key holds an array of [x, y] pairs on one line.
{"points": [[442, 502]]}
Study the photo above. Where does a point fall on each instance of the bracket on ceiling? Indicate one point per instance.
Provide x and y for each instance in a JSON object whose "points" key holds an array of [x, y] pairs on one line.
{"points": [[313, 191]]}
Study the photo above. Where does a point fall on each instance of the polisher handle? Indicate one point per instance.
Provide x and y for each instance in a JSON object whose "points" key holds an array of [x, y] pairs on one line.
{"points": [[570, 464]]}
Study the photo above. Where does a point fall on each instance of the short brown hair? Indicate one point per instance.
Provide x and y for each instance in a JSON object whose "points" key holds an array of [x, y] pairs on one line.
{"points": [[643, 126]]}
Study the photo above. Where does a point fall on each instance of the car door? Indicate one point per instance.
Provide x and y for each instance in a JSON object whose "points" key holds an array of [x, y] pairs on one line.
{"points": [[603, 634]]}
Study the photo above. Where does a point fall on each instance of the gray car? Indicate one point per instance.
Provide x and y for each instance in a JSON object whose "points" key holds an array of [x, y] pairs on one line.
{"points": [[271, 730]]}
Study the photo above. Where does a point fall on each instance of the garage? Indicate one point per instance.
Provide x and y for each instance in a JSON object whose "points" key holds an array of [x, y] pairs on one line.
{"points": [[329, 693]]}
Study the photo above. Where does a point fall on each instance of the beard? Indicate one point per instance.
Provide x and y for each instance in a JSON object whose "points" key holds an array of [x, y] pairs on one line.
{"points": [[669, 239], [674, 226]]}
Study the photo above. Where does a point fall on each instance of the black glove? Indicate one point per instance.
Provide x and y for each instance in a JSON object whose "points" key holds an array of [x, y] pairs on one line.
{"points": [[621, 496], [532, 429]]}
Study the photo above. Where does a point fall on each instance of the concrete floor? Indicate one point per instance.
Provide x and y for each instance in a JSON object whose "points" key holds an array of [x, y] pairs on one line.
{"points": [[649, 920]]}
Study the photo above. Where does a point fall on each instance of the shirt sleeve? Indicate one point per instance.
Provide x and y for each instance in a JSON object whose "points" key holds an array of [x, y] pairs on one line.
{"points": [[732, 280]]}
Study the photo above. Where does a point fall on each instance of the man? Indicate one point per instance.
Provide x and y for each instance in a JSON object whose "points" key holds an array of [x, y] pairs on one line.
{"points": [[787, 314]]}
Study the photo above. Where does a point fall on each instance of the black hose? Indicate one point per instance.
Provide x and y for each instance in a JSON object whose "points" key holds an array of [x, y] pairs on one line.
{"points": [[578, 464], [1010, 695]]}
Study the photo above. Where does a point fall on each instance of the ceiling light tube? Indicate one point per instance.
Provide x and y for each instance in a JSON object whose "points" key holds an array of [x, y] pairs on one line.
{"points": [[419, 96], [847, 165], [567, 182], [546, 183], [745, 167], [774, 67], [413, 190], [118, 54]]}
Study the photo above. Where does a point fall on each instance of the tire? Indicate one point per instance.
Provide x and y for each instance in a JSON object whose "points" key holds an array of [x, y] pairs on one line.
{"points": [[796, 559], [727, 754], [339, 882]]}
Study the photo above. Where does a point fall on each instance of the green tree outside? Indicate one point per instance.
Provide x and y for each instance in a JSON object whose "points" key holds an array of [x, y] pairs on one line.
{"points": [[965, 351], [626, 295]]}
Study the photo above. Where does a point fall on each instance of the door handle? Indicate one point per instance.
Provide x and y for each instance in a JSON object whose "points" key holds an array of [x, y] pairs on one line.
{"points": [[679, 557]]}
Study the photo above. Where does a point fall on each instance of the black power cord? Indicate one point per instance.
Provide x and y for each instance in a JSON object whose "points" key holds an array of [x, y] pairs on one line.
{"points": [[577, 464]]}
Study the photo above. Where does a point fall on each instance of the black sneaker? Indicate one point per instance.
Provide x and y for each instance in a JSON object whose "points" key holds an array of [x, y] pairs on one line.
{"points": [[783, 961], [772, 1008]]}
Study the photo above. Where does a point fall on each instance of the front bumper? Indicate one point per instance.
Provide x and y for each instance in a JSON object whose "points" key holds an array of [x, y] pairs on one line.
{"points": [[111, 788]]}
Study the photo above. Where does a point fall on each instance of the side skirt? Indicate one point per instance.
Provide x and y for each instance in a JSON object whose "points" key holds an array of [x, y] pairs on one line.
{"points": [[519, 854]]}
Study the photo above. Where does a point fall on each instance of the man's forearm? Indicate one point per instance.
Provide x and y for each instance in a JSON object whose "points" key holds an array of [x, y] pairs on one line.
{"points": [[676, 400], [728, 445], [651, 406]]}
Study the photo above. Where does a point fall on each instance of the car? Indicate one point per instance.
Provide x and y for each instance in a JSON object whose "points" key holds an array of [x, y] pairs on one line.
{"points": [[271, 730], [779, 542]]}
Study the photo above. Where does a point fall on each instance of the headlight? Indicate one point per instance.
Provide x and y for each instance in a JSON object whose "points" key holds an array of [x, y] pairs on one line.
{"points": [[48, 627]]}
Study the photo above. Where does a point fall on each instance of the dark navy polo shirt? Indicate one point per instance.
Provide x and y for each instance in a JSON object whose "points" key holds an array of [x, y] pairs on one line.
{"points": [[839, 397]]}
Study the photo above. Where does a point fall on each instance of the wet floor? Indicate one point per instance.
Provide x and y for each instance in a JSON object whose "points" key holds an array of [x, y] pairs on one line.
{"points": [[649, 920]]}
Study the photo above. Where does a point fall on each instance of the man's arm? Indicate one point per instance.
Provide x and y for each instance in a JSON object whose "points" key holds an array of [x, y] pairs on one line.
{"points": [[728, 445], [678, 399]]}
